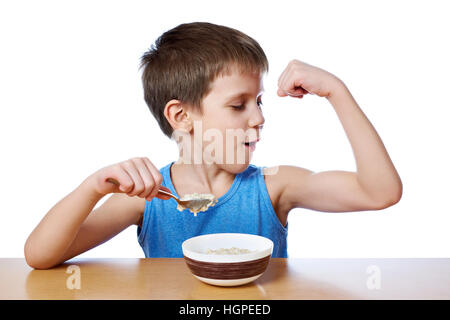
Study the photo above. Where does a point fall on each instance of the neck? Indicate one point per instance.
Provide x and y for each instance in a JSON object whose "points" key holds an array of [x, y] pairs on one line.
{"points": [[207, 178]]}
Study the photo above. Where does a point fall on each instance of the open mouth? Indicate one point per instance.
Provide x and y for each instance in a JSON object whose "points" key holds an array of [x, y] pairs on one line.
{"points": [[251, 144]]}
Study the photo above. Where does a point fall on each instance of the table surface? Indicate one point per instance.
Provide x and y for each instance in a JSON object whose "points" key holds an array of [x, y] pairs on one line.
{"points": [[168, 278]]}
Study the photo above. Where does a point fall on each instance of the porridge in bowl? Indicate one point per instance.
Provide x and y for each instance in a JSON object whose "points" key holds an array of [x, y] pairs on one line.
{"points": [[227, 259], [232, 250]]}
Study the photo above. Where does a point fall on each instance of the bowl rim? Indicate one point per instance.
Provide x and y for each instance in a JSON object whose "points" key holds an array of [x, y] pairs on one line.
{"points": [[227, 258]]}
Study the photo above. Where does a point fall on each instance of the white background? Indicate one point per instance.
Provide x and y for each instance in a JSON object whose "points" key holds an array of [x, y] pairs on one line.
{"points": [[71, 102]]}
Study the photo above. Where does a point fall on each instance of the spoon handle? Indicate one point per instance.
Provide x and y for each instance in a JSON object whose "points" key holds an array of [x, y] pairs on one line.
{"points": [[167, 193], [114, 181]]}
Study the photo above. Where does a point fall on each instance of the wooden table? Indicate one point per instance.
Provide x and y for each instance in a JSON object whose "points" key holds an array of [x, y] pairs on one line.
{"points": [[283, 279]]}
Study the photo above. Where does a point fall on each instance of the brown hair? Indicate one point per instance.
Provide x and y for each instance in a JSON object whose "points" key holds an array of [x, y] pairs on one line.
{"points": [[185, 60]]}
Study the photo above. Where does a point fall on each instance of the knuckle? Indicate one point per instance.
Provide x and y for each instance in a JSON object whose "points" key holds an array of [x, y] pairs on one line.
{"points": [[136, 159], [126, 164], [158, 179], [149, 186], [116, 168], [151, 183]]}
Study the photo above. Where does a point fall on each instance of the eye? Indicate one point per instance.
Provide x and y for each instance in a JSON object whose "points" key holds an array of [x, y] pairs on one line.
{"points": [[260, 103], [240, 107]]}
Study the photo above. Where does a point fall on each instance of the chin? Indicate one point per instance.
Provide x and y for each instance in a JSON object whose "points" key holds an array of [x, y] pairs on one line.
{"points": [[235, 168], [238, 166]]}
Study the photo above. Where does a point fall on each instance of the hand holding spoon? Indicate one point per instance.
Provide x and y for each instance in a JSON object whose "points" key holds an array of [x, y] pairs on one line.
{"points": [[193, 202]]}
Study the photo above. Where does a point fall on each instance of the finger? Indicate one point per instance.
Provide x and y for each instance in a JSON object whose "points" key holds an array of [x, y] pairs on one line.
{"points": [[294, 87], [120, 178], [138, 184], [291, 85], [146, 176], [283, 74], [283, 77], [299, 86], [156, 176], [286, 79], [297, 92], [281, 93], [295, 95], [163, 196]]}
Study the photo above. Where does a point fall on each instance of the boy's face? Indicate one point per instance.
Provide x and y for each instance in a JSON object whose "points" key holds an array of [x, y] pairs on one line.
{"points": [[232, 115]]}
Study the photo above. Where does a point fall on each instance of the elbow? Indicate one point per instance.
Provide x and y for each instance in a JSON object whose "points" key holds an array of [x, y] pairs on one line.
{"points": [[391, 198], [31, 257], [35, 264], [395, 194], [34, 259], [38, 264], [387, 203]]}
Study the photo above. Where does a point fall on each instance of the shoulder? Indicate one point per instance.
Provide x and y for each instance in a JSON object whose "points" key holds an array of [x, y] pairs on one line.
{"points": [[281, 178], [278, 180]]}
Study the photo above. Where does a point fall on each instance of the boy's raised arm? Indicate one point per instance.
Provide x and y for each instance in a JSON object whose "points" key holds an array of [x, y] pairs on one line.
{"points": [[376, 183], [69, 228]]}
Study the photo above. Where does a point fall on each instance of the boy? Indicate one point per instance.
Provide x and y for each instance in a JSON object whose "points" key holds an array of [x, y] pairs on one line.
{"points": [[201, 82]]}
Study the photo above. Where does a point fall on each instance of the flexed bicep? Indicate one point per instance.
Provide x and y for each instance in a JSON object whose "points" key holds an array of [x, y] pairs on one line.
{"points": [[328, 191]]}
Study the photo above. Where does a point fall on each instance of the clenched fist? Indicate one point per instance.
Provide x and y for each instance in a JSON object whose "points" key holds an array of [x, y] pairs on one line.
{"points": [[135, 177], [300, 78]]}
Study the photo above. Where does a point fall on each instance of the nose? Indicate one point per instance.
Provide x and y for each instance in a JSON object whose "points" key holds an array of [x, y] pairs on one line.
{"points": [[256, 119]]}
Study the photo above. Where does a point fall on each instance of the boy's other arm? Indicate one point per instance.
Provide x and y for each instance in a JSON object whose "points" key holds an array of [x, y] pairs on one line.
{"points": [[72, 226], [375, 184], [112, 217]]}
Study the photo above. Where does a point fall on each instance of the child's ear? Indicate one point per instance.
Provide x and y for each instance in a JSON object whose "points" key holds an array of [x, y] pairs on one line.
{"points": [[178, 116]]}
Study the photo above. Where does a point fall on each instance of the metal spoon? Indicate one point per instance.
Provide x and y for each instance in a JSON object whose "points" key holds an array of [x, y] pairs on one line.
{"points": [[193, 205]]}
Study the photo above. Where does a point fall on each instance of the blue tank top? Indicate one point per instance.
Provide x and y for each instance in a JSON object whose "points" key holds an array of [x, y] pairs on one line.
{"points": [[245, 208]]}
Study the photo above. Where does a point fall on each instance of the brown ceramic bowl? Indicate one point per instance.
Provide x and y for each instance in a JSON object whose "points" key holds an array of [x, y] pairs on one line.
{"points": [[230, 263]]}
